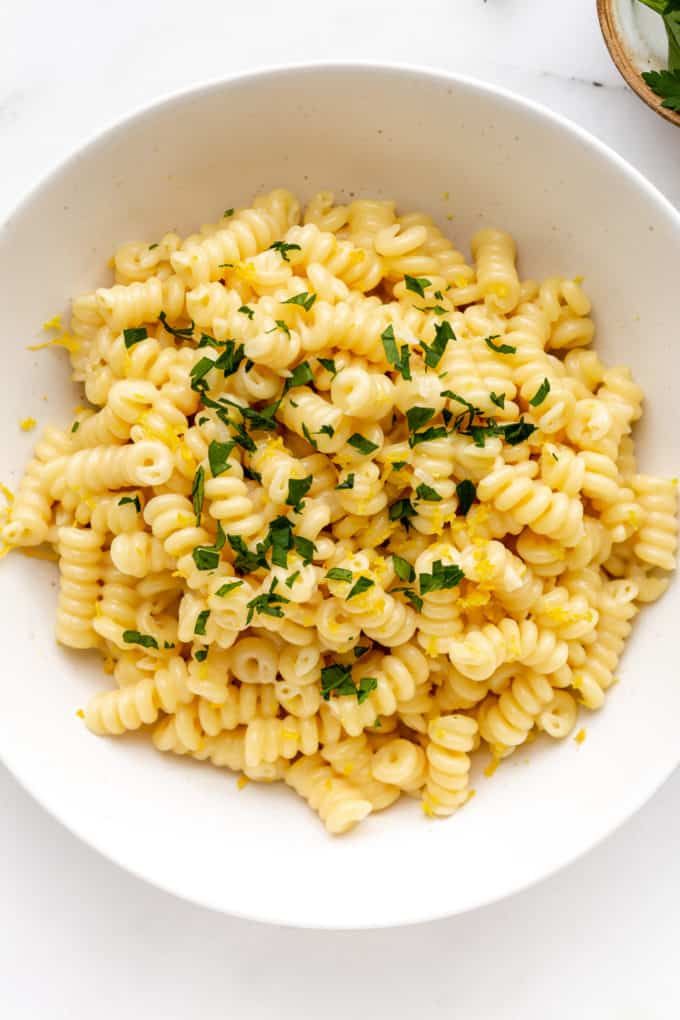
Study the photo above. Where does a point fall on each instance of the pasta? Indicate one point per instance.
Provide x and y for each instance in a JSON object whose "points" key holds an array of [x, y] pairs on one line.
{"points": [[344, 508]]}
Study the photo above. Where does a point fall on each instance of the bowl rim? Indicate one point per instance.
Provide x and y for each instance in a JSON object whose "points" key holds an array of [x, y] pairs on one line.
{"points": [[77, 826], [624, 63]]}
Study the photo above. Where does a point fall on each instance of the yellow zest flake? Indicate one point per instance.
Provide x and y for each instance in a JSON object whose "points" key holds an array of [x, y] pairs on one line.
{"points": [[475, 599], [564, 617], [68, 342], [184, 520], [53, 323], [427, 808], [484, 568], [432, 648], [491, 767], [26, 424], [580, 736], [108, 664], [40, 554], [579, 279], [246, 271], [445, 196], [328, 785], [471, 793], [242, 782], [357, 256], [7, 493], [633, 518], [348, 768], [80, 713]]}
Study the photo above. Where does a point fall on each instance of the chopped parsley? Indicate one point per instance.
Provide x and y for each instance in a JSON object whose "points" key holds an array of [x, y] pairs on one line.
{"points": [[466, 492], [197, 493], [184, 333], [337, 679], [297, 490], [281, 538], [435, 350], [201, 655], [201, 621], [541, 393], [292, 578], [360, 443], [328, 364], [498, 399], [75, 426], [134, 500], [245, 310], [305, 547], [227, 213], [517, 431], [417, 284], [403, 568], [412, 596], [402, 510], [361, 585], [282, 248], [418, 416], [499, 348], [348, 483], [360, 650], [441, 577], [305, 299], [207, 557], [399, 359], [268, 604], [226, 589], [133, 637], [426, 492], [339, 574], [300, 376], [218, 456], [134, 336], [436, 432]]}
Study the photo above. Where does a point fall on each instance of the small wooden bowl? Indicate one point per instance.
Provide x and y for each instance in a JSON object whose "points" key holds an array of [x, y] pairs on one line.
{"points": [[622, 55]]}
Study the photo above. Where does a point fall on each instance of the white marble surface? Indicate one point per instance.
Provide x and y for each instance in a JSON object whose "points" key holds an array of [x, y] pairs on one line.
{"points": [[80, 938]]}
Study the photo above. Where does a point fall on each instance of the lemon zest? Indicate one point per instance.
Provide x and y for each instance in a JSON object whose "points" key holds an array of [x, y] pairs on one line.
{"points": [[580, 736], [68, 342], [53, 323]]}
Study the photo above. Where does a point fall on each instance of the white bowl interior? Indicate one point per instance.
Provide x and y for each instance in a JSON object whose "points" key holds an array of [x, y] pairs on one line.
{"points": [[573, 208]]}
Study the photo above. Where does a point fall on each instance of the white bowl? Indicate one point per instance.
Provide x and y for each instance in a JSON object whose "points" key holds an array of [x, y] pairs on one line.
{"points": [[574, 207]]}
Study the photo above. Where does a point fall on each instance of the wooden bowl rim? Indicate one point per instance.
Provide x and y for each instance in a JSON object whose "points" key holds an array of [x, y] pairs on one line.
{"points": [[625, 65]]}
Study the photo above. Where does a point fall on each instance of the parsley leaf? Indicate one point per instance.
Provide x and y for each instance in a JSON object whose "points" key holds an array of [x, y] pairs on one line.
{"points": [[308, 436], [328, 364], [297, 490], [282, 248], [281, 537], [245, 310], [246, 561], [466, 492], [305, 547], [497, 399], [403, 568], [541, 393], [359, 587], [418, 416], [268, 603], [436, 432], [516, 432], [417, 284], [427, 493], [402, 510], [134, 336], [666, 85], [186, 332], [348, 482], [360, 443], [292, 578], [218, 456], [227, 213], [412, 596], [197, 494], [339, 574], [305, 299], [366, 685], [133, 637], [336, 679], [201, 620], [201, 655], [499, 348], [435, 350], [400, 360], [300, 376], [131, 499], [441, 577], [225, 589]]}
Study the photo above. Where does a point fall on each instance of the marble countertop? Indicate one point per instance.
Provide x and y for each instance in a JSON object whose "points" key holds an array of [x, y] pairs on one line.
{"points": [[600, 940]]}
